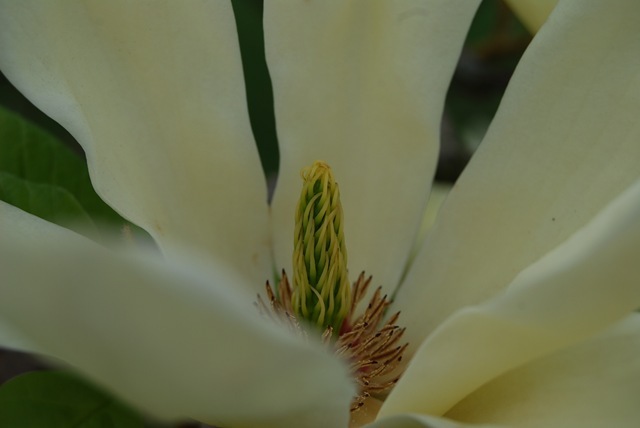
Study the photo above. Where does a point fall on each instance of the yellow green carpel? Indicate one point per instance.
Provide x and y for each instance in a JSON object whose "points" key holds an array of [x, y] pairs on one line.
{"points": [[321, 288]]}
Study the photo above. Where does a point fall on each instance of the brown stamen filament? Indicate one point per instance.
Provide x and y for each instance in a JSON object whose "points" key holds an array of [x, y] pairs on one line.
{"points": [[373, 351]]}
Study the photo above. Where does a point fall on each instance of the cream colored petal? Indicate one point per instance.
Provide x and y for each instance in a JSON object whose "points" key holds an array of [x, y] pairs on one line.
{"points": [[17, 227], [533, 13], [154, 93], [584, 285], [172, 339], [423, 421], [593, 384], [361, 85], [565, 142], [12, 339], [438, 195]]}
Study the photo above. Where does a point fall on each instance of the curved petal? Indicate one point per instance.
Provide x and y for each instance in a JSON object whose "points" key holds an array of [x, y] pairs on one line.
{"points": [[533, 13], [175, 340], [593, 384], [439, 193], [423, 421], [361, 85], [12, 339], [563, 144], [154, 93], [580, 288]]}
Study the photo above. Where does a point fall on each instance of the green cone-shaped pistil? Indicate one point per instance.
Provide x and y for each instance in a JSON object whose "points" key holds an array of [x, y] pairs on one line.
{"points": [[321, 288]]}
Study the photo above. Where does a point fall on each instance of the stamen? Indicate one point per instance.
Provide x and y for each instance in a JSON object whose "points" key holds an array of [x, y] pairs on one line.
{"points": [[371, 348]]}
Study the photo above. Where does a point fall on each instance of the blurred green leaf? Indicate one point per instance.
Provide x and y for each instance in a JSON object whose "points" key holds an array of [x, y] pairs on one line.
{"points": [[494, 23], [472, 113], [248, 16], [484, 22], [47, 201], [29, 153], [495, 42], [60, 400]]}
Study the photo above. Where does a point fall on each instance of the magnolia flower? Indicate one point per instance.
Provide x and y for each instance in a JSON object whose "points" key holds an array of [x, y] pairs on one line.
{"points": [[518, 306]]}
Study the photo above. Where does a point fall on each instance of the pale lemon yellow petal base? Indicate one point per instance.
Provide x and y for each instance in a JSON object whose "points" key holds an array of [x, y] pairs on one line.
{"points": [[580, 288], [424, 421], [590, 385]]}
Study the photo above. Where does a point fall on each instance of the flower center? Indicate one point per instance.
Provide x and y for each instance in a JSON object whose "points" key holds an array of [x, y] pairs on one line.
{"points": [[321, 294]]}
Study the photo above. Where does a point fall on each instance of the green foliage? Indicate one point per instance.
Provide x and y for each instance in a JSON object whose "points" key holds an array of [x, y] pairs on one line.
{"points": [[248, 16], [47, 201], [41, 175], [60, 400]]}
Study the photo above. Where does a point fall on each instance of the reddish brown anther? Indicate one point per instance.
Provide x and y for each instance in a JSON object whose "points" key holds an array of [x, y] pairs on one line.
{"points": [[372, 349]]}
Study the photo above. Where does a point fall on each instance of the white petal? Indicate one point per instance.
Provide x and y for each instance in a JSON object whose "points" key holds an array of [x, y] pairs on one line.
{"points": [[176, 341], [591, 385], [154, 92], [581, 287], [423, 421], [439, 193], [533, 13], [12, 339], [564, 143], [361, 85]]}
